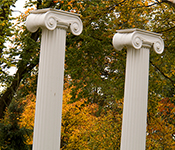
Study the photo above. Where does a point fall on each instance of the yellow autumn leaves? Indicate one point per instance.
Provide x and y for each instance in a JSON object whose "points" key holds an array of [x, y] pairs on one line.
{"points": [[81, 126]]}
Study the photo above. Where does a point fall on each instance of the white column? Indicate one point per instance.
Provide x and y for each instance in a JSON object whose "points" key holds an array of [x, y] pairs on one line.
{"points": [[138, 43], [54, 24]]}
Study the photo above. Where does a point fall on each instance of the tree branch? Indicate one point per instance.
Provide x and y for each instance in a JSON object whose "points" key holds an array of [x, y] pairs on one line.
{"points": [[158, 69], [170, 2], [24, 68]]}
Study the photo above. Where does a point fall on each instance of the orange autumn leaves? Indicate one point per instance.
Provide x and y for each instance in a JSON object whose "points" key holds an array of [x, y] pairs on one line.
{"points": [[27, 117], [76, 117], [82, 126], [160, 127]]}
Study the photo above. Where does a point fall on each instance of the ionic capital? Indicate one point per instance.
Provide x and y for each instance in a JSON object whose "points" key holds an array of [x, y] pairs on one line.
{"points": [[137, 39], [52, 18]]}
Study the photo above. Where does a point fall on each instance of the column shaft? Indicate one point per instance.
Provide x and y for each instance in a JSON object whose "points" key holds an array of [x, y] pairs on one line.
{"points": [[47, 128], [135, 100], [139, 42]]}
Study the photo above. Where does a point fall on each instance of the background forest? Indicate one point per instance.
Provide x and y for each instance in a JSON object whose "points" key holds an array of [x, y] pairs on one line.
{"points": [[94, 74]]}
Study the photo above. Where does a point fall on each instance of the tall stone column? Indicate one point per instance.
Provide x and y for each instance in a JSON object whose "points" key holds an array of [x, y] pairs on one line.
{"points": [[138, 43], [54, 24]]}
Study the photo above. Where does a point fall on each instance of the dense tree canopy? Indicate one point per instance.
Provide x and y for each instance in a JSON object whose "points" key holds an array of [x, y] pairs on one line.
{"points": [[94, 73]]}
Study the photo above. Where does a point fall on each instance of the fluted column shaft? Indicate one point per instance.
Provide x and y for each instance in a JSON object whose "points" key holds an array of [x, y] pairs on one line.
{"points": [[47, 128], [138, 43], [54, 24], [135, 100]]}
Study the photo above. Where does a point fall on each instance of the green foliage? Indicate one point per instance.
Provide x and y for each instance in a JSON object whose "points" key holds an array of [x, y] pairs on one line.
{"points": [[12, 137], [5, 33]]}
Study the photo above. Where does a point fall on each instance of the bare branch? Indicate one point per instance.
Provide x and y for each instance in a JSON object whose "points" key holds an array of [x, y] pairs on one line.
{"points": [[158, 69], [170, 2]]}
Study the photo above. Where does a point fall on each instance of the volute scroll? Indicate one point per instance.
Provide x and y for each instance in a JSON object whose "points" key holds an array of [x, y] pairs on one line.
{"points": [[137, 39], [52, 18]]}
